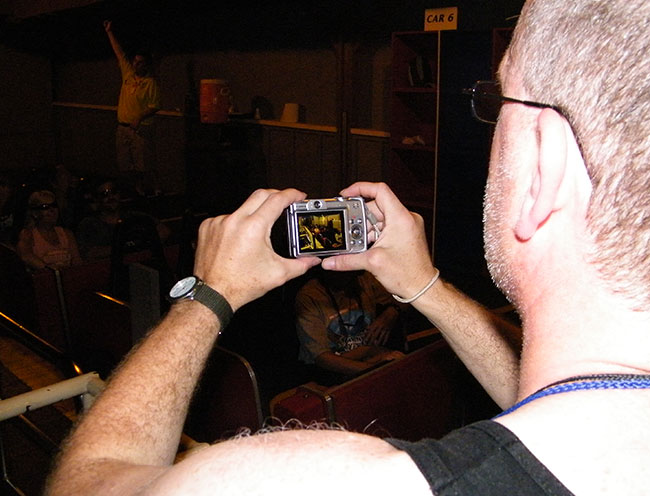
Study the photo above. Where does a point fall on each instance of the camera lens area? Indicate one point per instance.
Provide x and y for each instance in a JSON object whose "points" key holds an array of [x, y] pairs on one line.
{"points": [[318, 204]]}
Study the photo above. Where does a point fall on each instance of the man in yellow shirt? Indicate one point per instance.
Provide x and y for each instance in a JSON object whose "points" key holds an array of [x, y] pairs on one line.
{"points": [[139, 101]]}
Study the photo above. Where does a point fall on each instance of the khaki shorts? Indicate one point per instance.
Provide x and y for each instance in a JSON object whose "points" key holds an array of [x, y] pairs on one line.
{"points": [[135, 148]]}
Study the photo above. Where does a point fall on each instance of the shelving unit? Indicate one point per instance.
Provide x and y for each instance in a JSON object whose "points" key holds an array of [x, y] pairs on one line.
{"points": [[414, 121]]}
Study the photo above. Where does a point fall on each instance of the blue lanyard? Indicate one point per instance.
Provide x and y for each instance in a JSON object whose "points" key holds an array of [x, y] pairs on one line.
{"points": [[599, 381]]}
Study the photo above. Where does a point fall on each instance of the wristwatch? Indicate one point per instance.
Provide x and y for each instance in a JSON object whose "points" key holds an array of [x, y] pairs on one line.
{"points": [[193, 288]]}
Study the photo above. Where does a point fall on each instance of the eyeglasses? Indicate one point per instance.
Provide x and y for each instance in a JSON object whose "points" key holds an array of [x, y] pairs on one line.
{"points": [[487, 101]]}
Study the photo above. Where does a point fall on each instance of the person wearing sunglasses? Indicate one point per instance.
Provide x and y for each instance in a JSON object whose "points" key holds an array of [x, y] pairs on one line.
{"points": [[567, 235], [44, 243]]}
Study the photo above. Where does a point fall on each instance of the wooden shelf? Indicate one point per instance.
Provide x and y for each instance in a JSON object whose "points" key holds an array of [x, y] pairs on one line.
{"points": [[415, 89], [413, 148], [414, 113]]}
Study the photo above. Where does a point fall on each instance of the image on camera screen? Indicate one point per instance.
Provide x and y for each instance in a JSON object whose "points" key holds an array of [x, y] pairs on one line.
{"points": [[319, 232]]}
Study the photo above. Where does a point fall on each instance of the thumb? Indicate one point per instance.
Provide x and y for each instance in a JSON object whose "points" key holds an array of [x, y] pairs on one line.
{"points": [[344, 262]]}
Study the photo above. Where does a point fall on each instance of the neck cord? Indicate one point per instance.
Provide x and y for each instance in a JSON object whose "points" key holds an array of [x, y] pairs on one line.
{"points": [[584, 382], [357, 297]]}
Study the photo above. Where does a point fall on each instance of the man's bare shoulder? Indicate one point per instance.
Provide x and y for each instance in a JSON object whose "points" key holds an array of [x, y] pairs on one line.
{"points": [[331, 462]]}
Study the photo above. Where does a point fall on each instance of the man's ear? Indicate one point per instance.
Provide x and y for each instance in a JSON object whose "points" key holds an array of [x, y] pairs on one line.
{"points": [[543, 194]]}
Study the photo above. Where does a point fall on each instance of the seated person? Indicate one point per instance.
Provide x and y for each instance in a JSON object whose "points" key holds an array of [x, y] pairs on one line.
{"points": [[346, 323], [95, 232], [43, 243]]}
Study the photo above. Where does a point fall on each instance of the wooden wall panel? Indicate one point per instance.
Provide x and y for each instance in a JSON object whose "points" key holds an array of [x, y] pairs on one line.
{"points": [[368, 157], [280, 157], [308, 159], [332, 178], [308, 164], [86, 140]]}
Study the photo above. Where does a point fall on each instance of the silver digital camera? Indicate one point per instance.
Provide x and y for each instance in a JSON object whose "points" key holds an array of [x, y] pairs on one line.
{"points": [[327, 227]]}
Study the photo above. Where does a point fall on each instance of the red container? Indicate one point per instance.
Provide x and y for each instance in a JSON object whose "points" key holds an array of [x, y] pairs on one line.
{"points": [[214, 101]]}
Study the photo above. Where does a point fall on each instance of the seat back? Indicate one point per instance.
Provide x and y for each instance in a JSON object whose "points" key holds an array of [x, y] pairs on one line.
{"points": [[227, 399], [136, 239], [409, 398], [17, 297], [415, 397], [32, 299], [101, 335]]}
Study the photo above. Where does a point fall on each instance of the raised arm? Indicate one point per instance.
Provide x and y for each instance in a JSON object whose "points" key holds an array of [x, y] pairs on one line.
{"points": [[400, 260], [130, 436], [117, 48]]}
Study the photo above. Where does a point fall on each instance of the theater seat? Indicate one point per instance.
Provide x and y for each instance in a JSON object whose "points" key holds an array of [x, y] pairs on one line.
{"points": [[421, 395], [136, 239], [227, 399]]}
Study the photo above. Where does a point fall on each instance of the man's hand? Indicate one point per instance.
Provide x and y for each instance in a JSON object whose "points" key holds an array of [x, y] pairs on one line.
{"points": [[107, 26], [400, 258], [234, 253], [378, 332]]}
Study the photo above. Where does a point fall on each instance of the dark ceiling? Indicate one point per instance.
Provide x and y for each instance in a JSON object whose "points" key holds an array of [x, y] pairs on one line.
{"points": [[168, 26]]}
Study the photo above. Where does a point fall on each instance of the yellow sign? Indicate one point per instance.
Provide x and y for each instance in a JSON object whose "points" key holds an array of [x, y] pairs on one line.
{"points": [[441, 19]]}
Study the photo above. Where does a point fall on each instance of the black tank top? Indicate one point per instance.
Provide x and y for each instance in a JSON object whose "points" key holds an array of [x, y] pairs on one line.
{"points": [[482, 459]]}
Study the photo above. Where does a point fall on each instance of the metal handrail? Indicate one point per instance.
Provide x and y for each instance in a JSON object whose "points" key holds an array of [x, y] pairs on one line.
{"points": [[38, 345], [88, 386]]}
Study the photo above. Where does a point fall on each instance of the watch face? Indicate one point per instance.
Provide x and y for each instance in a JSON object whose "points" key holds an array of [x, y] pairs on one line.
{"points": [[182, 287]]}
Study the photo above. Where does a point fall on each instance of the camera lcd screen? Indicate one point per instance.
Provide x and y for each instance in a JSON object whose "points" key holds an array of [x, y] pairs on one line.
{"points": [[321, 232]]}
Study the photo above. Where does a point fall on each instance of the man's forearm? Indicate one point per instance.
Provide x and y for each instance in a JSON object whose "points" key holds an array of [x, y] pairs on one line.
{"points": [[145, 402], [488, 345], [348, 364], [131, 434], [148, 112], [115, 45]]}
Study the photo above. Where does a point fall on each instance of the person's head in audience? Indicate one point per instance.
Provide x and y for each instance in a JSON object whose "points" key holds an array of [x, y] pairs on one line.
{"points": [[347, 281], [43, 243], [43, 209], [107, 197]]}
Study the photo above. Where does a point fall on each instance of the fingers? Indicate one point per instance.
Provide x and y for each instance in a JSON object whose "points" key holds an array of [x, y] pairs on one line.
{"points": [[362, 188], [235, 255], [269, 203], [274, 205], [297, 267], [400, 258], [254, 201], [382, 195], [377, 336], [345, 262]]}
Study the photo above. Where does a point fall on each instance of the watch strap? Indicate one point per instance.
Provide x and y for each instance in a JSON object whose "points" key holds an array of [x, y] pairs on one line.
{"points": [[214, 301]]}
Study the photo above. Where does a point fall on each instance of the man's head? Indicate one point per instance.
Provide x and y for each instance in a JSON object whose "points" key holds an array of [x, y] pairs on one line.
{"points": [[590, 58], [142, 62], [347, 281], [107, 196]]}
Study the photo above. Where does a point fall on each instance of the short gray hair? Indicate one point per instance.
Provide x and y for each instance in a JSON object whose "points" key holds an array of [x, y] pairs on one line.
{"points": [[591, 58]]}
